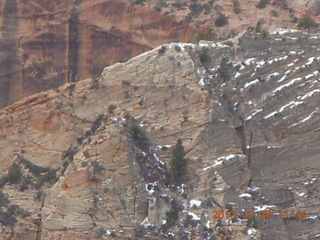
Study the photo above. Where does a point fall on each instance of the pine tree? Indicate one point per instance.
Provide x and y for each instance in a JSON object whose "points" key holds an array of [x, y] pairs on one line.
{"points": [[178, 162]]}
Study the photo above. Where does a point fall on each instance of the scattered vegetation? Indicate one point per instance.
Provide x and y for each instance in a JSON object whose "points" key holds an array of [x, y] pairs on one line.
{"points": [[97, 168], [16, 210], [221, 21], [14, 174], [7, 219], [258, 26], [177, 48], [264, 33], [94, 127], [111, 108], [177, 5], [140, 138], [69, 154], [282, 4], [307, 23], [3, 181], [204, 55], [95, 83], [179, 162], [139, 2], [71, 88], [126, 83], [196, 9], [236, 6], [172, 216], [262, 3], [163, 49], [4, 201], [49, 176], [208, 35], [26, 182], [224, 69]]}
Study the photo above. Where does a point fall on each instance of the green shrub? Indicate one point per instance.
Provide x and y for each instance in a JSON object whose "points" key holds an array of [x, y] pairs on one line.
{"points": [[163, 49], [97, 168], [236, 6], [262, 3], [140, 138], [224, 69], [49, 176], [111, 108], [179, 162], [177, 5], [204, 56], [258, 27], [221, 20], [172, 216], [126, 82], [4, 201], [177, 48], [7, 219], [139, 2], [196, 8], [71, 88], [307, 22], [95, 83], [264, 34], [14, 174]]}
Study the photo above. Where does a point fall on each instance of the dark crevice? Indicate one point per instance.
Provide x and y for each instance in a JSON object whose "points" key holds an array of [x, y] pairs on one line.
{"points": [[240, 131], [73, 42]]}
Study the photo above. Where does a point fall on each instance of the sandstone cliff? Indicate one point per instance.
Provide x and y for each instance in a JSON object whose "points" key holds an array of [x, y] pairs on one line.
{"points": [[90, 160], [45, 44]]}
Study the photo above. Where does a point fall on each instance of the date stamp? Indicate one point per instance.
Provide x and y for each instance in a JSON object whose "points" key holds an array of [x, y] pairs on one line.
{"points": [[268, 214]]}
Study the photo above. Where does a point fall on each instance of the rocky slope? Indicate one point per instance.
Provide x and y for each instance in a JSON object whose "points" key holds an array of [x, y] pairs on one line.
{"points": [[45, 44], [90, 160]]}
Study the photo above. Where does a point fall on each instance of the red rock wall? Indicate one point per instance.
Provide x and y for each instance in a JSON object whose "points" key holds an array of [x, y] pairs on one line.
{"points": [[47, 43]]}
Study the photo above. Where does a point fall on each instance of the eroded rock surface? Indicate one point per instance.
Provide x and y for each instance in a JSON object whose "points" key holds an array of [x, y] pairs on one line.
{"points": [[94, 155], [45, 44]]}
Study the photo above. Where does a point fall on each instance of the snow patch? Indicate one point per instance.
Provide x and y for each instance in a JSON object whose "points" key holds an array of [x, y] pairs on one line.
{"points": [[194, 217], [282, 31], [251, 83], [307, 118], [249, 61], [309, 94], [245, 195], [226, 158], [287, 84], [251, 231], [263, 207], [194, 203]]}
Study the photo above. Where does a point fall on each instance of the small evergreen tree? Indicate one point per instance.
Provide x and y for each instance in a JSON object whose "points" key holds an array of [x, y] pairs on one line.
{"points": [[307, 22], [178, 162], [14, 174]]}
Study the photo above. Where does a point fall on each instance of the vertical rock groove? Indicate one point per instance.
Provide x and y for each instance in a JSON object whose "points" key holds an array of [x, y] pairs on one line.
{"points": [[8, 54], [73, 44]]}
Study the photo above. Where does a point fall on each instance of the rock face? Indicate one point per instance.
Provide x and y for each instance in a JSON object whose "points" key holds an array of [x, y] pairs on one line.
{"points": [[93, 156], [47, 43]]}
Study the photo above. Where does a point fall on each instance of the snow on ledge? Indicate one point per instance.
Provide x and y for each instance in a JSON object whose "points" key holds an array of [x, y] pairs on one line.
{"points": [[194, 203]]}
